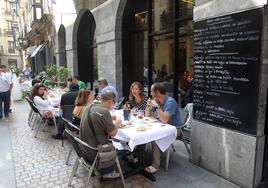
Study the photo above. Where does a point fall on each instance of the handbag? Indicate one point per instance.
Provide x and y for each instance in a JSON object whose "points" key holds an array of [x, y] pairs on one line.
{"points": [[106, 153]]}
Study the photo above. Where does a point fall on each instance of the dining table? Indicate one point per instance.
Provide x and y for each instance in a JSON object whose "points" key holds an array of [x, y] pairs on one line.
{"points": [[138, 131]]}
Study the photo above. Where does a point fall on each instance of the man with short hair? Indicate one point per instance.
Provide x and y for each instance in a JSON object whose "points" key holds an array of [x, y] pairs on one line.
{"points": [[97, 125], [76, 80], [102, 85], [6, 85], [167, 111]]}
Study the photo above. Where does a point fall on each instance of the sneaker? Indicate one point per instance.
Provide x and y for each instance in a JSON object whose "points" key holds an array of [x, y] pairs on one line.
{"points": [[57, 136], [111, 175]]}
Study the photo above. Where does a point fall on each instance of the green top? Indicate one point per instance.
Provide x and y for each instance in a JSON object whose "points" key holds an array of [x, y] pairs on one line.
{"points": [[48, 83], [81, 85]]}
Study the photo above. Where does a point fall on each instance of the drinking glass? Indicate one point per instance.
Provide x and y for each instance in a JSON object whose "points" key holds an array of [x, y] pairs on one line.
{"points": [[140, 114], [134, 111]]}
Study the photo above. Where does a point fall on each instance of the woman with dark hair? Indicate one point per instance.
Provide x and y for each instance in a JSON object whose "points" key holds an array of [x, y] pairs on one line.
{"points": [[136, 97], [40, 99], [83, 99]]}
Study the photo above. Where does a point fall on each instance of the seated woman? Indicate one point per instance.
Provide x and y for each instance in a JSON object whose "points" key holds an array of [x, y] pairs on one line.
{"points": [[83, 99], [139, 101], [46, 108], [136, 97]]}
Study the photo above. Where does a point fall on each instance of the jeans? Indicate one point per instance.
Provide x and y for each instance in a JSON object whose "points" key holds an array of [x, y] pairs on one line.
{"points": [[4, 98]]}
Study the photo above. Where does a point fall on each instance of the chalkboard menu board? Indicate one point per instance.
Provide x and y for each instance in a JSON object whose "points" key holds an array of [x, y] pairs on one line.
{"points": [[227, 55]]}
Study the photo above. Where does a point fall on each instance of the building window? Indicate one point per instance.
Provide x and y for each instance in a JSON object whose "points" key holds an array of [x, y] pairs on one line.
{"points": [[158, 41], [8, 7], [11, 48], [9, 28], [36, 10]]}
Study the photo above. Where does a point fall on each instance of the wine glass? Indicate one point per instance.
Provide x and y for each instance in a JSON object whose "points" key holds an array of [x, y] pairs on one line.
{"points": [[134, 111], [140, 114]]}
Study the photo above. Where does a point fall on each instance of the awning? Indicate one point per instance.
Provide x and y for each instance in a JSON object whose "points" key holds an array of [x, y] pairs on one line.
{"points": [[36, 50]]}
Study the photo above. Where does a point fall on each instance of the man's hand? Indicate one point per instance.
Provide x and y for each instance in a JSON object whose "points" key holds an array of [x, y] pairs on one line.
{"points": [[118, 123]]}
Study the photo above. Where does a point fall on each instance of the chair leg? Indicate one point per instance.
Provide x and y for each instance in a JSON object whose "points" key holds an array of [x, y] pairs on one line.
{"points": [[62, 140], [38, 126], [69, 155], [73, 171], [30, 122], [184, 141], [30, 116], [45, 125], [167, 158], [120, 172], [35, 121], [55, 123], [173, 148], [91, 170]]}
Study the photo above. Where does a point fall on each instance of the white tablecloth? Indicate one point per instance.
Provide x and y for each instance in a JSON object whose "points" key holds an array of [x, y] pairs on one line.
{"points": [[54, 100], [26, 86], [163, 134]]}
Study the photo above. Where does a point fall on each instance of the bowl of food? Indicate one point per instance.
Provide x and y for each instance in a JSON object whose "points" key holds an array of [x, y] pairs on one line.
{"points": [[141, 128]]}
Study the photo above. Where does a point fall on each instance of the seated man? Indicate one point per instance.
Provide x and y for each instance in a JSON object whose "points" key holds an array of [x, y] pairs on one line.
{"points": [[76, 80], [51, 83], [167, 111], [66, 99], [102, 85], [102, 126]]}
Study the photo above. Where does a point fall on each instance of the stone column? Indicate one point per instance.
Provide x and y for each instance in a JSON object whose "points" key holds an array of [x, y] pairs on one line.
{"points": [[109, 57]]}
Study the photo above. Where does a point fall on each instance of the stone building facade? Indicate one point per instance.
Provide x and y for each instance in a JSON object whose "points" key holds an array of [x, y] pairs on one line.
{"points": [[234, 155], [9, 32]]}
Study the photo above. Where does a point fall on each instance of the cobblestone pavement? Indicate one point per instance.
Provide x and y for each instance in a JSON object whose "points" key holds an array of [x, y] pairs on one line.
{"points": [[40, 162]]}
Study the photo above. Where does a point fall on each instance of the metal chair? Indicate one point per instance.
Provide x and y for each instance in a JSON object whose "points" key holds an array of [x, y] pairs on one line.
{"points": [[180, 135], [75, 130], [33, 114], [39, 118], [67, 113], [81, 159], [120, 103]]}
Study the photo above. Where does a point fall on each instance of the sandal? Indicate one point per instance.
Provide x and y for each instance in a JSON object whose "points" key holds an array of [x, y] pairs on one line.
{"points": [[151, 169]]}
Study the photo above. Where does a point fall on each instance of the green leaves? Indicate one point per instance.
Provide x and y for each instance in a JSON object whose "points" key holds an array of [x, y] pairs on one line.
{"points": [[59, 71]]}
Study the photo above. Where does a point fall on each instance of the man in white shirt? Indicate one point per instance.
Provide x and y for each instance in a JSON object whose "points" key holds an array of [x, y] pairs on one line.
{"points": [[5, 88]]}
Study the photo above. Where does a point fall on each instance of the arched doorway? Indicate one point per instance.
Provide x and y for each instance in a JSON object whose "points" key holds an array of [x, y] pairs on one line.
{"points": [[134, 45], [84, 46], [61, 46]]}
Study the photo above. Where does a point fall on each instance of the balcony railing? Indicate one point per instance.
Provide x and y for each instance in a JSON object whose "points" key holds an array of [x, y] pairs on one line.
{"points": [[11, 51]]}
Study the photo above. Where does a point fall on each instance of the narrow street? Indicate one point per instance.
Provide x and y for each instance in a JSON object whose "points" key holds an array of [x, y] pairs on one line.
{"points": [[26, 161]]}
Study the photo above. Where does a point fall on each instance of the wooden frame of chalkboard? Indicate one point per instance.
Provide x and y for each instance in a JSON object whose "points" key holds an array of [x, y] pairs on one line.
{"points": [[227, 58]]}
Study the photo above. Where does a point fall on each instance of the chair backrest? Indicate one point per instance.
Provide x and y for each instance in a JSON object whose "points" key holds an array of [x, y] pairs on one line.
{"points": [[34, 108], [69, 125], [185, 117], [71, 138], [78, 144], [120, 103], [67, 111]]}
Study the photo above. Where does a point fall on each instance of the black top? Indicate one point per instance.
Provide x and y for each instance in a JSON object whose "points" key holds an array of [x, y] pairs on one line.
{"points": [[68, 98], [141, 106]]}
